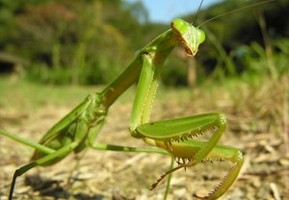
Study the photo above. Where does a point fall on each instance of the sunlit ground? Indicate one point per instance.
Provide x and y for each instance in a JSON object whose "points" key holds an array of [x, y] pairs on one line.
{"points": [[258, 124]]}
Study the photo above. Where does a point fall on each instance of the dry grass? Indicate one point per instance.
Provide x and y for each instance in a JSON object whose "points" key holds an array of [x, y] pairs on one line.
{"points": [[258, 125]]}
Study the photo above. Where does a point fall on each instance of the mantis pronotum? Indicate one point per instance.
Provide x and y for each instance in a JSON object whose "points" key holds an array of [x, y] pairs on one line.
{"points": [[174, 137]]}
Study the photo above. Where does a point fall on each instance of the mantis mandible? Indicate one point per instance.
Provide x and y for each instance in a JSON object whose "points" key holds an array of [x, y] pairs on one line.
{"points": [[175, 137]]}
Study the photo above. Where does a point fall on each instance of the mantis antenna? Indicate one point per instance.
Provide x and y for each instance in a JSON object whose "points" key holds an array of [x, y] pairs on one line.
{"points": [[198, 11], [230, 12]]}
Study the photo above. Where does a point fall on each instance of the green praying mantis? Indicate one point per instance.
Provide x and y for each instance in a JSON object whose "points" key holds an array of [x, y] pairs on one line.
{"points": [[174, 137]]}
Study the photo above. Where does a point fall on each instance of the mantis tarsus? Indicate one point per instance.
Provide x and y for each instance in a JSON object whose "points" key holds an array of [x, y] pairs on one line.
{"points": [[174, 137]]}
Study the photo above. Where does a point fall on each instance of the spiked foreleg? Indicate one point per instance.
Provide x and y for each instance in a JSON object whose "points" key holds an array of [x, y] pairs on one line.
{"points": [[176, 136], [147, 87], [185, 154], [167, 133], [232, 155]]}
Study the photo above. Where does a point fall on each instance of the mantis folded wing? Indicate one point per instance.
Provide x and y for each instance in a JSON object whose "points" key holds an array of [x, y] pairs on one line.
{"points": [[174, 137]]}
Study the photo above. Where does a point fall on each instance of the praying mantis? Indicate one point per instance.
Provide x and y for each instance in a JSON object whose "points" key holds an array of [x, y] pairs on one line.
{"points": [[174, 137]]}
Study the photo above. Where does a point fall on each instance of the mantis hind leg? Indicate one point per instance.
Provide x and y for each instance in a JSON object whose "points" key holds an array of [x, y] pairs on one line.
{"points": [[41, 161]]}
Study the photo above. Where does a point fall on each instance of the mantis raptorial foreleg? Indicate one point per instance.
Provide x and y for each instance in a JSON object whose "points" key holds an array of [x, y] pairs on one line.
{"points": [[79, 129]]}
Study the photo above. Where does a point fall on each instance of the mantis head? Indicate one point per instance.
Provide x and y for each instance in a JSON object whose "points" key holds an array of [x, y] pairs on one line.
{"points": [[189, 36]]}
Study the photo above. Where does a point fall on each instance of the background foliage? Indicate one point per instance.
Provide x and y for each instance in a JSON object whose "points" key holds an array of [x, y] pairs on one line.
{"points": [[90, 42]]}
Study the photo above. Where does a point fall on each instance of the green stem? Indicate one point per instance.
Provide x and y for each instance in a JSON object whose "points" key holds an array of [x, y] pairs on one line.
{"points": [[169, 180]]}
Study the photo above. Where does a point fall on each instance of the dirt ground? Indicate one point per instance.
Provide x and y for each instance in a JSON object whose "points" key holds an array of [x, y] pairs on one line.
{"points": [[257, 124]]}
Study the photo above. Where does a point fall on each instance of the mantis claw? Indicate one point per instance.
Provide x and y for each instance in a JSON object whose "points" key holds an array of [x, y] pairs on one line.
{"points": [[237, 158], [188, 152], [230, 154]]}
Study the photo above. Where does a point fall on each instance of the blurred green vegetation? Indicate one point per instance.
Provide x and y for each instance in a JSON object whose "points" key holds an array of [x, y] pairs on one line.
{"points": [[90, 42]]}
